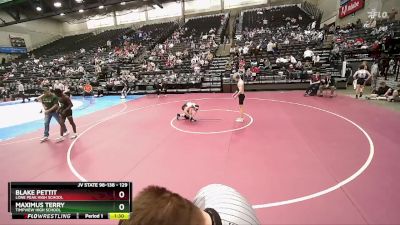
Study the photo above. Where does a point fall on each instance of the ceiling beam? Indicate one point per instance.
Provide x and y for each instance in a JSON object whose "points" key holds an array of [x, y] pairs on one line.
{"points": [[48, 5], [14, 13], [158, 3], [73, 9]]}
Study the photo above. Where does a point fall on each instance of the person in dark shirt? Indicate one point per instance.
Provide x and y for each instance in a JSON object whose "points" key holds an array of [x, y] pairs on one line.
{"points": [[395, 94], [327, 82], [65, 111], [314, 85], [382, 93]]}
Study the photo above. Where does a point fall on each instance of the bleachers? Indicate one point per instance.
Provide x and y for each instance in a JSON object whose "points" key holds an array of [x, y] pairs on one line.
{"points": [[88, 41], [179, 78], [289, 28], [275, 17], [162, 45]]}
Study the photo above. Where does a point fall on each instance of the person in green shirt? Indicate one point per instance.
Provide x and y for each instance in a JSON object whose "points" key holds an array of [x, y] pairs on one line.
{"points": [[50, 105]]}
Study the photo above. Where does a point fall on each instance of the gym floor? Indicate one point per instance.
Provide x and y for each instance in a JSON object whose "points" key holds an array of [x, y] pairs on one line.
{"points": [[298, 160]]}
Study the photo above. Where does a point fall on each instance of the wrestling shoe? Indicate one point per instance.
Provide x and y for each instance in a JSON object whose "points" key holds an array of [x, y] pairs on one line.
{"points": [[60, 139], [239, 120], [43, 139]]}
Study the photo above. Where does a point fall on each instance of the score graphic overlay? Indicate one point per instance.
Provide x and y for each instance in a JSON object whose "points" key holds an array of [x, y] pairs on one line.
{"points": [[70, 200]]}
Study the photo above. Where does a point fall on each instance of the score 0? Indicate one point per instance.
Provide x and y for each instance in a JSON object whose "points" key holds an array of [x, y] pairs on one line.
{"points": [[121, 195]]}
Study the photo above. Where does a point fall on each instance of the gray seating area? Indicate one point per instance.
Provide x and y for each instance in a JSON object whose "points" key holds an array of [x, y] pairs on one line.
{"points": [[289, 29]]}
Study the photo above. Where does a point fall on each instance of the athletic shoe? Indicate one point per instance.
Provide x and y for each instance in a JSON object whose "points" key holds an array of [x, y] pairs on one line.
{"points": [[74, 136], [65, 134], [192, 120], [239, 120], [43, 139], [60, 139], [178, 116]]}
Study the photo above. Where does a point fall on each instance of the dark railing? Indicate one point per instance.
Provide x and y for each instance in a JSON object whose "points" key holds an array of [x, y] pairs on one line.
{"points": [[314, 11]]}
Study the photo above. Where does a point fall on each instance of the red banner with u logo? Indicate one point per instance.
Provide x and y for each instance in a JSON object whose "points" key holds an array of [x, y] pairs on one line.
{"points": [[350, 7]]}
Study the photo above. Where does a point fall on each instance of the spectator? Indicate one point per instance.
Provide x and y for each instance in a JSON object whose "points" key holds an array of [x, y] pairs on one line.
{"points": [[292, 60], [58, 85], [395, 95], [316, 59], [197, 69], [391, 66], [281, 60], [382, 93], [392, 14], [314, 85], [313, 24], [299, 65], [267, 64], [308, 54], [374, 75], [327, 82], [270, 47], [255, 70], [286, 42], [232, 51]]}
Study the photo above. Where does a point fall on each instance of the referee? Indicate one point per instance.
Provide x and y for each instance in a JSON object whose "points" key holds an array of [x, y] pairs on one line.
{"points": [[215, 204], [21, 92]]}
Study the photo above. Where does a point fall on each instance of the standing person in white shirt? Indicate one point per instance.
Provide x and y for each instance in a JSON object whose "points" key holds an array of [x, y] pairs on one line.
{"points": [[308, 54], [58, 85], [375, 74], [21, 92], [239, 93], [270, 47], [362, 76], [313, 25]]}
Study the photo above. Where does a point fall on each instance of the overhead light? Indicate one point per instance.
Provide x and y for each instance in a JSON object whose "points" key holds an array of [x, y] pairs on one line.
{"points": [[38, 8], [78, 1], [81, 10], [57, 4], [123, 3], [101, 7], [62, 14]]}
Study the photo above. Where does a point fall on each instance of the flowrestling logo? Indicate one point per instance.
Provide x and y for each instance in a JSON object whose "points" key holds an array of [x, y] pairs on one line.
{"points": [[375, 14], [351, 7]]}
